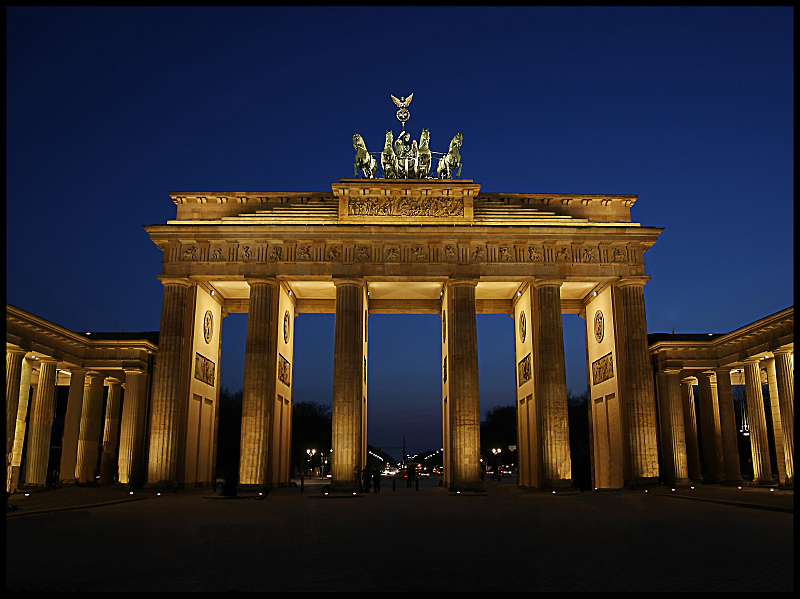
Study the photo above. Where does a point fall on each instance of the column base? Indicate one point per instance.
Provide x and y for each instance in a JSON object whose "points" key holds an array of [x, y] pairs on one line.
{"points": [[683, 482], [788, 485], [33, 488], [712, 481], [164, 485], [344, 487], [733, 482], [466, 487], [643, 482], [243, 489], [764, 482], [558, 485]]}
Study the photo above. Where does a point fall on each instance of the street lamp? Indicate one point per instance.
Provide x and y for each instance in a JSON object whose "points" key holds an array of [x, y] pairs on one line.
{"points": [[310, 453], [497, 452]]}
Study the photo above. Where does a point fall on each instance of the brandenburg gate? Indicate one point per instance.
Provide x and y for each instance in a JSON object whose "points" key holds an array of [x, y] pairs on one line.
{"points": [[407, 243]]}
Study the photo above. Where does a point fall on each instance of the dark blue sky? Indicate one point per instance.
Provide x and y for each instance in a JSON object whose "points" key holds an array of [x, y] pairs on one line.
{"points": [[110, 109]]}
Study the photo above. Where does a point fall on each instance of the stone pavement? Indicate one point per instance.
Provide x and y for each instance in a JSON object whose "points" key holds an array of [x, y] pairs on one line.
{"points": [[408, 540]]}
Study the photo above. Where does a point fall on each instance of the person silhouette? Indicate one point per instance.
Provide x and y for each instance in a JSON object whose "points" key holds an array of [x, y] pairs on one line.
{"points": [[376, 480]]}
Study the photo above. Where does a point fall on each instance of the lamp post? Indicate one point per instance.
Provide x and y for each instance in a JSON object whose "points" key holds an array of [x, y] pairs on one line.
{"points": [[309, 452], [497, 452]]}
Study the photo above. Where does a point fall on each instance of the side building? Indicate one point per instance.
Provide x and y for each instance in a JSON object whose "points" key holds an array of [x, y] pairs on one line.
{"points": [[101, 369], [698, 433]]}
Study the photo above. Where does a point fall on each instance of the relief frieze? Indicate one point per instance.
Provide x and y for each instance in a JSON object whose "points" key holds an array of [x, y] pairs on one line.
{"points": [[437, 207], [391, 254], [534, 254], [284, 371], [204, 369], [602, 369], [524, 370], [363, 253], [334, 253], [276, 252]]}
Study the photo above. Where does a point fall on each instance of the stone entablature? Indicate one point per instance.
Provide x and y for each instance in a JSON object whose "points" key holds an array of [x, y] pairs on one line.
{"points": [[34, 334], [323, 251], [694, 352]]}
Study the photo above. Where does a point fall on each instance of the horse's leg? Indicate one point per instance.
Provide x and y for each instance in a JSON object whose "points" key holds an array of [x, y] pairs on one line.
{"points": [[459, 170], [355, 171]]}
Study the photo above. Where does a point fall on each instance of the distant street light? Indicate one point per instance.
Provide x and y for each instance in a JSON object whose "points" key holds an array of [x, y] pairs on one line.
{"points": [[310, 453]]}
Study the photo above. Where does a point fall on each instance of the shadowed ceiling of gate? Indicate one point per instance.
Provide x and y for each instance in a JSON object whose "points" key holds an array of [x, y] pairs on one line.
{"points": [[402, 290]]}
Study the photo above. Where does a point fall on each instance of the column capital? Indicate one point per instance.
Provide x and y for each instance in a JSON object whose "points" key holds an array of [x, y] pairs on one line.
{"points": [[134, 371], [77, 369], [46, 359], [751, 360], [15, 350], [671, 370], [705, 374], [165, 280], [552, 282], [628, 281], [783, 350], [689, 379], [351, 281], [262, 281], [93, 374], [464, 282], [112, 381]]}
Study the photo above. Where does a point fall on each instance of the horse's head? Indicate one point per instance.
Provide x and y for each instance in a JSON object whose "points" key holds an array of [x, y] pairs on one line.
{"points": [[389, 138], [357, 141], [425, 137], [457, 141]]}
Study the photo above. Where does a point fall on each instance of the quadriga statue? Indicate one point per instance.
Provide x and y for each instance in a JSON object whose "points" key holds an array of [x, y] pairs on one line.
{"points": [[451, 160], [364, 160]]}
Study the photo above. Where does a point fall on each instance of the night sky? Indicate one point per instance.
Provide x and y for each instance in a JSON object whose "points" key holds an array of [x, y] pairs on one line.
{"points": [[110, 109]]}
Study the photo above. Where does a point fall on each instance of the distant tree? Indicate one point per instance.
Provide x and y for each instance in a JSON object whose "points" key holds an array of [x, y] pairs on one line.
{"points": [[499, 430], [311, 429], [229, 432], [578, 415]]}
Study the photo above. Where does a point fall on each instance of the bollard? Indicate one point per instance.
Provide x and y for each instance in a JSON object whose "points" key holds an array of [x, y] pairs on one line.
{"points": [[394, 480]]}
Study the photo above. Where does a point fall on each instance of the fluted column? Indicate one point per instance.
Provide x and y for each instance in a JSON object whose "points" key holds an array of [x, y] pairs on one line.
{"points": [[168, 378], [727, 426], [132, 429], [91, 428], [41, 425], [784, 376], [640, 400], [108, 460], [14, 358], [260, 370], [348, 356], [712, 442], [690, 430], [465, 407], [72, 425], [12, 473], [673, 440], [762, 471], [551, 385]]}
